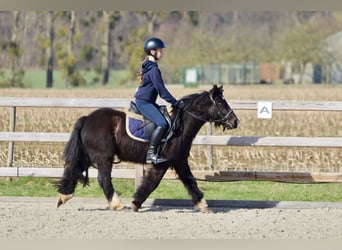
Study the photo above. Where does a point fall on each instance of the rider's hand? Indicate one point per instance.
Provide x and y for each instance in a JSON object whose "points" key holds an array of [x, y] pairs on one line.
{"points": [[179, 104]]}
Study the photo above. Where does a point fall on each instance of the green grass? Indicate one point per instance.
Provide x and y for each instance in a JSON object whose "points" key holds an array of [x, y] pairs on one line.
{"points": [[244, 190]]}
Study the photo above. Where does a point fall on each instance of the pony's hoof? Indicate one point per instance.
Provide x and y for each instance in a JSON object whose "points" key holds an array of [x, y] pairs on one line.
{"points": [[117, 207], [116, 204], [63, 198], [205, 210], [203, 206], [135, 208], [59, 202]]}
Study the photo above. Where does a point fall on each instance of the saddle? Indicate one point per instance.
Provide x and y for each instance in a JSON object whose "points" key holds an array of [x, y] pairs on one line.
{"points": [[141, 128]]}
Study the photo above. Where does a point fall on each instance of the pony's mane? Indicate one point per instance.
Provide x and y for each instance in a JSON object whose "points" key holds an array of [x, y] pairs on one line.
{"points": [[193, 100]]}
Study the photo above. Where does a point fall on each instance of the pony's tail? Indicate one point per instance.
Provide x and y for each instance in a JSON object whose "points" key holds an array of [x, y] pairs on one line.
{"points": [[75, 154], [76, 161]]}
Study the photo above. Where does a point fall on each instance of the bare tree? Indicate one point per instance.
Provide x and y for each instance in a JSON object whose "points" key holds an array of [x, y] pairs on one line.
{"points": [[109, 19], [152, 20], [50, 34], [71, 58]]}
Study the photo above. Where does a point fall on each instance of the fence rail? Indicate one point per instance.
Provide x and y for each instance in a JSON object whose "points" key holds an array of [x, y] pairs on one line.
{"points": [[123, 103], [214, 140], [12, 136]]}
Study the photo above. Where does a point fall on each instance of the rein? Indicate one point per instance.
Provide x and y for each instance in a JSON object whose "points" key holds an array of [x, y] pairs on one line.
{"points": [[222, 119], [205, 120]]}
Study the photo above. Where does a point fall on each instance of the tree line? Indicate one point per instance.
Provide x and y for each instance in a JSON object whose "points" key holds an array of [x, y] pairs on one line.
{"points": [[102, 41]]}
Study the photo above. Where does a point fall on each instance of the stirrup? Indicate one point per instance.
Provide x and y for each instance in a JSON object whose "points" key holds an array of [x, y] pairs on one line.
{"points": [[156, 159]]}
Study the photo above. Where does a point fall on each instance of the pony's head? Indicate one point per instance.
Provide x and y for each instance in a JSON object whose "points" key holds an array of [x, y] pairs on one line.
{"points": [[219, 110], [211, 106]]}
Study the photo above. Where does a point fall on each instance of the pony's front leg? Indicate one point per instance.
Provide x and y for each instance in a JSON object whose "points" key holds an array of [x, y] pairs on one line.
{"points": [[202, 205], [149, 183], [190, 183]]}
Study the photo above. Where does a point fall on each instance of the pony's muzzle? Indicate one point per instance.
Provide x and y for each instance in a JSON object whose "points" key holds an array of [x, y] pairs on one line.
{"points": [[236, 123]]}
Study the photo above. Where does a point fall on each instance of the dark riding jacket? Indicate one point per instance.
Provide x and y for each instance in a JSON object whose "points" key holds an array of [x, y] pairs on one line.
{"points": [[153, 85]]}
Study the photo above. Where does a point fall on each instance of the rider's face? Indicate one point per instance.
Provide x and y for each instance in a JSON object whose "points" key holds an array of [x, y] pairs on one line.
{"points": [[158, 53]]}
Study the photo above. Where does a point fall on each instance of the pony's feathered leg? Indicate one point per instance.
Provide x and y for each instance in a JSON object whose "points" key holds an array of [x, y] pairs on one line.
{"points": [[202, 206], [116, 203], [104, 164]]}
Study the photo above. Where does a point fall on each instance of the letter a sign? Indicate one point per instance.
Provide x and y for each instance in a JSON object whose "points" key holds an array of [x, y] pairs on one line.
{"points": [[265, 110]]}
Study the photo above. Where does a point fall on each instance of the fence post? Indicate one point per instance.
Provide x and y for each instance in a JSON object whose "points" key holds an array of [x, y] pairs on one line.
{"points": [[210, 148], [139, 175], [11, 143]]}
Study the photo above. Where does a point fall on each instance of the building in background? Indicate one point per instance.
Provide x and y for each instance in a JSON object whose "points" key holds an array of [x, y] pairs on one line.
{"points": [[334, 49]]}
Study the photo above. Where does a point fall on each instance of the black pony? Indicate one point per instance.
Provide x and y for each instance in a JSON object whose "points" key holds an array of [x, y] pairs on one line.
{"points": [[100, 136]]}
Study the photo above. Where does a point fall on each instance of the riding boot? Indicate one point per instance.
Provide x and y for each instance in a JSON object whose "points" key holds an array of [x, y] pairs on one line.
{"points": [[152, 155]]}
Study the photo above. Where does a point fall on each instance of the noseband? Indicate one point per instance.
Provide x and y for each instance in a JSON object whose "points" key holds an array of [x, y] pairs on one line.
{"points": [[223, 118]]}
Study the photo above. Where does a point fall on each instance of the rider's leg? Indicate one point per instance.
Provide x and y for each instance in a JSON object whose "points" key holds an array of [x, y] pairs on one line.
{"points": [[151, 112], [152, 155]]}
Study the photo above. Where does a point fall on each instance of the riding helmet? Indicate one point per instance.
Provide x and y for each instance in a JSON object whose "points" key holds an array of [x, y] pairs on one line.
{"points": [[153, 43]]}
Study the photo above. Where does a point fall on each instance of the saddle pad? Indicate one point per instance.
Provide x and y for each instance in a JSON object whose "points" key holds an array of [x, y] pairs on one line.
{"points": [[135, 129]]}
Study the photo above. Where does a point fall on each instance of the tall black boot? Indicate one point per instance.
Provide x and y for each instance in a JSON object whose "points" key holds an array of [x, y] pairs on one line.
{"points": [[152, 156]]}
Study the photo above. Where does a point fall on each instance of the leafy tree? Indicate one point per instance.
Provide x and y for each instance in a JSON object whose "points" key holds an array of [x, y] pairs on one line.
{"points": [[66, 58], [134, 47], [301, 45], [88, 52], [14, 51], [134, 44]]}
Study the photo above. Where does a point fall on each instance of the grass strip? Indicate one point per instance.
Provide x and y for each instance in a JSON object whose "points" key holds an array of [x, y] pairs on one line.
{"points": [[174, 189]]}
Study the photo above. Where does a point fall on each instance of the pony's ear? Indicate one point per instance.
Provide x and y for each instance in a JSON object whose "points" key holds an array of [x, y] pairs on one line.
{"points": [[216, 90]]}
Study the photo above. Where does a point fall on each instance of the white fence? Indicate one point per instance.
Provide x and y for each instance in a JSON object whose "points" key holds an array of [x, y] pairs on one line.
{"points": [[12, 136]]}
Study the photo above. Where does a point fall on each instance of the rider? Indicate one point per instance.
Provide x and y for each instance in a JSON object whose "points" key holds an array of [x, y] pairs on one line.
{"points": [[151, 85]]}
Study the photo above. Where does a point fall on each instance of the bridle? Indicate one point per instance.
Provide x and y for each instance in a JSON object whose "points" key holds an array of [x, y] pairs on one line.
{"points": [[223, 118]]}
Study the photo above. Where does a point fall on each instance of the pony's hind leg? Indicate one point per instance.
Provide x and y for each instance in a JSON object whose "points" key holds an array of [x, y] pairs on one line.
{"points": [[66, 186], [105, 181]]}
